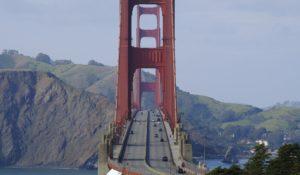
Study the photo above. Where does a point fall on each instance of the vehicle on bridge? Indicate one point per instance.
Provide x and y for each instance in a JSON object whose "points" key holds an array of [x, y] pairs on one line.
{"points": [[180, 170], [164, 158]]}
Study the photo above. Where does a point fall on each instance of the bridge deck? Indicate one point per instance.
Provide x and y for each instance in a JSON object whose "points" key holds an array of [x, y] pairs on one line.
{"points": [[135, 151], [157, 147], [149, 140]]}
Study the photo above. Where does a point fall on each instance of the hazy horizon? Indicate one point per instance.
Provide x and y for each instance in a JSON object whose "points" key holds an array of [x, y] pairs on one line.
{"points": [[240, 52]]}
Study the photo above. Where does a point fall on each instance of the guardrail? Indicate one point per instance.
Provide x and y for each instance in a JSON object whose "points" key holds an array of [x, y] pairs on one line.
{"points": [[147, 139], [189, 167], [172, 156]]}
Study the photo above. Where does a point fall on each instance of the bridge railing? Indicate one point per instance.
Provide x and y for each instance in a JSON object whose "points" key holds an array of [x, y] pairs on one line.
{"points": [[121, 168], [168, 137], [177, 158]]}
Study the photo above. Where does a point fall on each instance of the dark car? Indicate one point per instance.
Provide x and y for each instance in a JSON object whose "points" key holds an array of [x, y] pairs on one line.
{"points": [[158, 119], [162, 140], [156, 135], [131, 132], [164, 158], [180, 170], [160, 129], [155, 125]]}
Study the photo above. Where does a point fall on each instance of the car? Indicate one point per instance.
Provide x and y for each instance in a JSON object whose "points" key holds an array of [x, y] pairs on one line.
{"points": [[158, 119], [160, 129], [164, 158], [155, 135], [180, 170], [131, 132], [162, 140], [154, 125], [153, 120]]}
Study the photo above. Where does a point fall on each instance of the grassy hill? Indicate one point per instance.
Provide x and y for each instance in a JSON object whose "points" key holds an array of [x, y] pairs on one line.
{"points": [[276, 118], [92, 78], [208, 121]]}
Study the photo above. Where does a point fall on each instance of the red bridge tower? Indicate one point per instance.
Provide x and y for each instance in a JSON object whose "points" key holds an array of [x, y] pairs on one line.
{"points": [[132, 58]]}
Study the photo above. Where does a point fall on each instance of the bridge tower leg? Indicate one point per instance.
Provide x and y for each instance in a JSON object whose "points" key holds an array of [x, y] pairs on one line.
{"points": [[133, 58]]}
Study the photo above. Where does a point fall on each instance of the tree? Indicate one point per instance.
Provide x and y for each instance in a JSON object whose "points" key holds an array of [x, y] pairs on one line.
{"points": [[95, 63], [43, 58], [233, 170], [10, 52], [287, 162], [258, 163]]}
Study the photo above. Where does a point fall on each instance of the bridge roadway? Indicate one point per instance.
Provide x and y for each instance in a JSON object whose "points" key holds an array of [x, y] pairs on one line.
{"points": [[158, 145], [145, 139], [135, 151]]}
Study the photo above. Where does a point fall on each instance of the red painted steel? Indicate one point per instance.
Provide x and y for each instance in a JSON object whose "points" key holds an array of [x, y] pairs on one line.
{"points": [[148, 86], [132, 58], [140, 33]]}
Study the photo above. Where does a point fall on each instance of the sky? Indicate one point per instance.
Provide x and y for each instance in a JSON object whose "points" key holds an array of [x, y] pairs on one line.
{"points": [[234, 51]]}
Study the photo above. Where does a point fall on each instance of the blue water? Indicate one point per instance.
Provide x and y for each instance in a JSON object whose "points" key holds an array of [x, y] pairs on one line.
{"points": [[42, 171], [214, 163], [211, 164]]}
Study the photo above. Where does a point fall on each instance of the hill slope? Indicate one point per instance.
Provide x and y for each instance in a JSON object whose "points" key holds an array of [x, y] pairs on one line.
{"points": [[208, 121], [93, 78], [45, 122]]}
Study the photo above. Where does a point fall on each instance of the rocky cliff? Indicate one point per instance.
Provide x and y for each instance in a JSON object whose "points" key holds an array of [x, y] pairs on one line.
{"points": [[209, 122], [44, 122]]}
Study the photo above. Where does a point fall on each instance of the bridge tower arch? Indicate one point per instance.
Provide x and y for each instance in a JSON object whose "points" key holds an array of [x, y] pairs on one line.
{"points": [[132, 58], [139, 85]]}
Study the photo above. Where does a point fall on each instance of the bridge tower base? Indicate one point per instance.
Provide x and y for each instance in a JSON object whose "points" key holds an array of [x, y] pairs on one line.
{"points": [[182, 139], [103, 156]]}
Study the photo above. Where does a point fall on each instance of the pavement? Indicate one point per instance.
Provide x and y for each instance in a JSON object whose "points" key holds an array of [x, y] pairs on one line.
{"points": [[158, 145], [148, 144], [135, 151]]}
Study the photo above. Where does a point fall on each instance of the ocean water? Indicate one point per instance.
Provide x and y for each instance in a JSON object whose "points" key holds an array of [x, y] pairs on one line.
{"points": [[211, 164], [42, 171], [214, 163]]}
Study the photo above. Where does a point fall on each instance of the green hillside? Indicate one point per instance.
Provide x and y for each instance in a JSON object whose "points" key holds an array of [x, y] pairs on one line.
{"points": [[277, 118], [79, 76], [208, 121]]}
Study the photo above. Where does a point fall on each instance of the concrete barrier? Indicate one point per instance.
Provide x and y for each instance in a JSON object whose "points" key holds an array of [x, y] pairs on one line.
{"points": [[128, 129], [190, 168], [147, 164]]}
